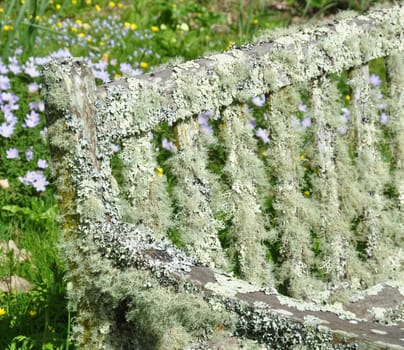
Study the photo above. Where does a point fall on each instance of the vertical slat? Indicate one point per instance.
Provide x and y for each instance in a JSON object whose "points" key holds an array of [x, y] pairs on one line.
{"points": [[373, 176], [395, 79], [395, 75], [295, 213], [144, 197], [248, 180], [338, 256], [196, 192]]}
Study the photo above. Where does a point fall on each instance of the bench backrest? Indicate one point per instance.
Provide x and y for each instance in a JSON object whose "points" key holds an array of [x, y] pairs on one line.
{"points": [[279, 163]]}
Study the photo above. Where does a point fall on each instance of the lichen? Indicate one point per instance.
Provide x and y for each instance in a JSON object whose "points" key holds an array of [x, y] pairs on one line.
{"points": [[196, 192], [131, 288]]}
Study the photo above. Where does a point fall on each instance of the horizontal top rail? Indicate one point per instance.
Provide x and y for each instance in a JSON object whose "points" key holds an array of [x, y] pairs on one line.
{"points": [[135, 105]]}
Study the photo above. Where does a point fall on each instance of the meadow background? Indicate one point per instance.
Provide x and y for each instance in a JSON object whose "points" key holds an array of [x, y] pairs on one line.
{"points": [[118, 38]]}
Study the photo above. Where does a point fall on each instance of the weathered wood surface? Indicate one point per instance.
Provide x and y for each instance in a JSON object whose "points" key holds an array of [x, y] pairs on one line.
{"points": [[217, 81], [103, 253]]}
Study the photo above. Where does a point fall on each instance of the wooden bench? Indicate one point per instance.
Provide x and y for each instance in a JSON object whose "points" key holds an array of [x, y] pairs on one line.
{"points": [[189, 246]]}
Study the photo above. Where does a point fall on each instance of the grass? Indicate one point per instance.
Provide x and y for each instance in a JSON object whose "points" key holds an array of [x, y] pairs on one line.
{"points": [[119, 40]]}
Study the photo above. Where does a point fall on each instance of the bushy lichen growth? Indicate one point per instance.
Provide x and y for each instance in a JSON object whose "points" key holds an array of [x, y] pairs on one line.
{"points": [[197, 195], [143, 188], [244, 204], [126, 308], [296, 214]]}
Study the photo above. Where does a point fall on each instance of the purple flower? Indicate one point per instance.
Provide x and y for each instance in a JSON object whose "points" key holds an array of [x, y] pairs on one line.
{"points": [[33, 88], [302, 107], [13, 65], [259, 101], [3, 68], [29, 154], [126, 69], [36, 179], [101, 65], [306, 122], [10, 118], [102, 75], [6, 130], [263, 135], [384, 118], [31, 69], [115, 148], [61, 53], [374, 80], [168, 145], [32, 119], [252, 123], [12, 153], [4, 82], [203, 119], [42, 164], [6, 96]]}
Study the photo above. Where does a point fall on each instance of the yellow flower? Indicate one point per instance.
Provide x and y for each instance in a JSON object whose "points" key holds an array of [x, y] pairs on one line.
{"points": [[120, 5], [255, 21], [160, 171], [1, 10], [74, 2], [22, 2], [58, 6], [88, 2], [101, 43], [307, 193], [111, 4], [154, 29], [104, 57], [144, 65], [78, 21], [98, 8], [174, 6], [302, 157], [59, 24], [32, 313], [133, 26], [2, 311], [231, 43], [117, 76], [89, 39], [348, 98], [127, 25], [82, 35], [7, 27], [74, 29]]}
